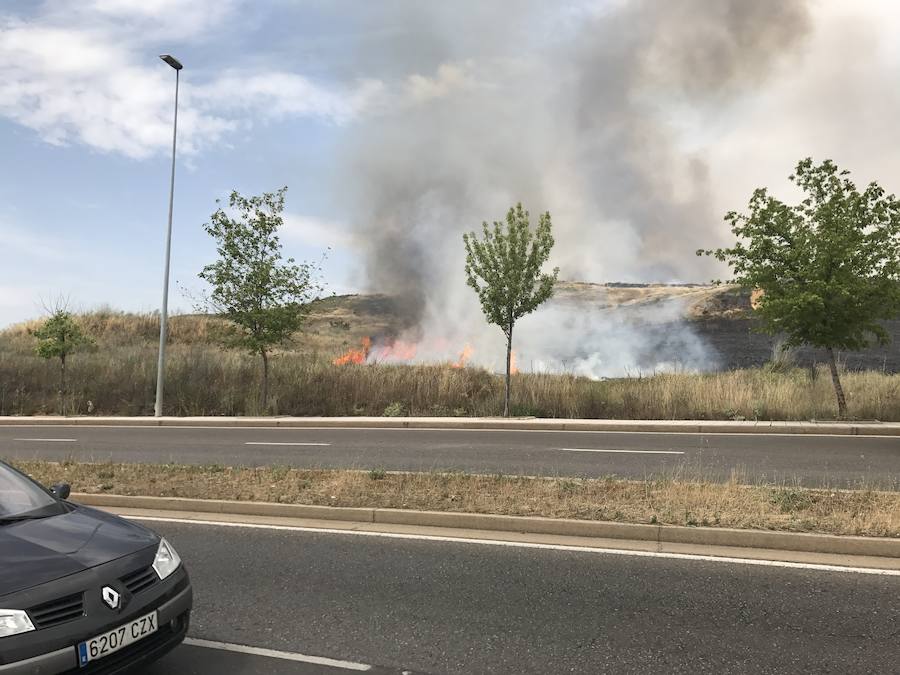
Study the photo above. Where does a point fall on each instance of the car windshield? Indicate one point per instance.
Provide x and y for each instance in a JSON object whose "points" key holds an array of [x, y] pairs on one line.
{"points": [[22, 498]]}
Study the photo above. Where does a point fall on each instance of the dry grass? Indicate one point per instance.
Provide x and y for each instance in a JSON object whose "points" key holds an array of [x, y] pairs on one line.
{"points": [[111, 328], [757, 393], [667, 501], [118, 376], [698, 300], [204, 380], [336, 320]]}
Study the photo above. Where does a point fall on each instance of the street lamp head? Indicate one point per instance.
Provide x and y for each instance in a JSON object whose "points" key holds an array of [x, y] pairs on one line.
{"points": [[172, 61]]}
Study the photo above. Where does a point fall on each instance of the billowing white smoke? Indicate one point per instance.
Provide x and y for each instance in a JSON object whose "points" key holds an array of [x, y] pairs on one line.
{"points": [[572, 110], [599, 343], [581, 337]]}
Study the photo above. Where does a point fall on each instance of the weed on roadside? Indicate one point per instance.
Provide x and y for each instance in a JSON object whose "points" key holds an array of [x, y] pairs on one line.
{"points": [[395, 409]]}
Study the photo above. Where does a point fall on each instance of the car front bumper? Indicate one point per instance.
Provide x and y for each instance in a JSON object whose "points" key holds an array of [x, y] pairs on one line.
{"points": [[173, 620]]}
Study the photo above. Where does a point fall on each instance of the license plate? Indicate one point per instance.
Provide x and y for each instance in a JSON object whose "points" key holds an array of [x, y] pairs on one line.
{"points": [[116, 639]]}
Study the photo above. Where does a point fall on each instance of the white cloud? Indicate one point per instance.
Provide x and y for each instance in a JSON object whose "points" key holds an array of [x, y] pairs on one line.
{"points": [[169, 20], [449, 78], [84, 77], [316, 231], [281, 94], [160, 9], [70, 85]]}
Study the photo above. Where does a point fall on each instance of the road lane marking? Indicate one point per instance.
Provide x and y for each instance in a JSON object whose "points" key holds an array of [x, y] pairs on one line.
{"points": [[275, 654], [47, 440], [285, 443], [822, 567], [632, 452], [648, 432]]}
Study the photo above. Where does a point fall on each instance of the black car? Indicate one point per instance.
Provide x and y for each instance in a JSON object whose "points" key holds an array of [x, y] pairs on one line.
{"points": [[81, 590]]}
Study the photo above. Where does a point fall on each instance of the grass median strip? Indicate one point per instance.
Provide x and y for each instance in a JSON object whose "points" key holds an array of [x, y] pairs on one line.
{"points": [[667, 501]]}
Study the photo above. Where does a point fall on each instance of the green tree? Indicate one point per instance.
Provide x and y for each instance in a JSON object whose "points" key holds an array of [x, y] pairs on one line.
{"points": [[264, 296], [57, 338], [828, 267], [504, 268]]}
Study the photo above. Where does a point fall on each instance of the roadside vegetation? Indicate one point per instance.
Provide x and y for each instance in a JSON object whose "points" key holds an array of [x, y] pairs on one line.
{"points": [[504, 267], [58, 338], [827, 270], [261, 297], [674, 500], [824, 273], [118, 378]]}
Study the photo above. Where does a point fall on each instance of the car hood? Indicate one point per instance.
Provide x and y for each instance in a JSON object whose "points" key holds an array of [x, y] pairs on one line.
{"points": [[33, 552]]}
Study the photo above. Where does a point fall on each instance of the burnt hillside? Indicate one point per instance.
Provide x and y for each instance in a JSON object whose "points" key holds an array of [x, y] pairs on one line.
{"points": [[739, 345]]}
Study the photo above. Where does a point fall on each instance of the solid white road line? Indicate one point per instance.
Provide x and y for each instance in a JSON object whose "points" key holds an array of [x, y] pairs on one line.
{"points": [[47, 440], [630, 452], [274, 443], [275, 654], [522, 544]]}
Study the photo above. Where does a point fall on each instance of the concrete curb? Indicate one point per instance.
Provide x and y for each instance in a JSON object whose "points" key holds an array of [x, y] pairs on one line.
{"points": [[661, 534], [477, 423]]}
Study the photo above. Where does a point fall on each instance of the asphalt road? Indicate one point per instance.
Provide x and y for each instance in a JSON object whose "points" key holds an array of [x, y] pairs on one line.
{"points": [[446, 607], [190, 659], [836, 461]]}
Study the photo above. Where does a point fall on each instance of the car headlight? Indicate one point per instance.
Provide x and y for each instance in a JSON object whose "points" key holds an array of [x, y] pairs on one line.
{"points": [[167, 560], [13, 622]]}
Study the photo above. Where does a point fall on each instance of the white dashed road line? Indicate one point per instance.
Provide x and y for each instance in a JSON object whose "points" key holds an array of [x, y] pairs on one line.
{"points": [[644, 432], [629, 452], [284, 443], [47, 440], [275, 654]]}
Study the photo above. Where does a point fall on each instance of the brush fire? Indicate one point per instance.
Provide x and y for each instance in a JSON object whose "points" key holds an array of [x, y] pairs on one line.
{"points": [[400, 352], [355, 355], [464, 356]]}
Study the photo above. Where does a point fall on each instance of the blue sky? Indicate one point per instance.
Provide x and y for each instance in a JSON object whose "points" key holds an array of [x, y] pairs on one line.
{"points": [[84, 218], [400, 118]]}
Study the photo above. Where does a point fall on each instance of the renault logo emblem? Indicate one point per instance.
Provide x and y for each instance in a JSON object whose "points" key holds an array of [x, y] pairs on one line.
{"points": [[111, 597]]}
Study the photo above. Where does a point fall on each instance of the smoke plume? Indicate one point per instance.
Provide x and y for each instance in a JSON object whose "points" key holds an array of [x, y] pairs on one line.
{"points": [[580, 112]]}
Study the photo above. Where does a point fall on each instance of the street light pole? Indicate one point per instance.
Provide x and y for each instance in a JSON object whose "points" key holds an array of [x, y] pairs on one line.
{"points": [[163, 316]]}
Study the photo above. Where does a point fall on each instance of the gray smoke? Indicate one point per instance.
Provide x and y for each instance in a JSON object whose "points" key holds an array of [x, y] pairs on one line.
{"points": [[687, 52], [621, 342], [518, 101]]}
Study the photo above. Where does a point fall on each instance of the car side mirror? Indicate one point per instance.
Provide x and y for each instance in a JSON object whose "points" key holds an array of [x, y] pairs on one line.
{"points": [[61, 490]]}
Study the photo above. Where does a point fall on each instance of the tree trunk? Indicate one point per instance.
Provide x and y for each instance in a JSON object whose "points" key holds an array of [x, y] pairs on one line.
{"points": [[508, 369], [62, 384], [264, 395], [838, 389]]}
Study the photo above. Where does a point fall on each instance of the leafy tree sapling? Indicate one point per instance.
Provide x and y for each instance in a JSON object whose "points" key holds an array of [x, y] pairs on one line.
{"points": [[57, 338], [828, 267], [264, 296], [504, 268]]}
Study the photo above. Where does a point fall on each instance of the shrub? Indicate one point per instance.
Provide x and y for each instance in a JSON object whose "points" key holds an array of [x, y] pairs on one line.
{"points": [[395, 409]]}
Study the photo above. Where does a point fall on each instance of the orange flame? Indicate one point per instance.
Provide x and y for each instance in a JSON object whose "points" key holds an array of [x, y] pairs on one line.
{"points": [[755, 297], [355, 355], [398, 350], [464, 356], [513, 370]]}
